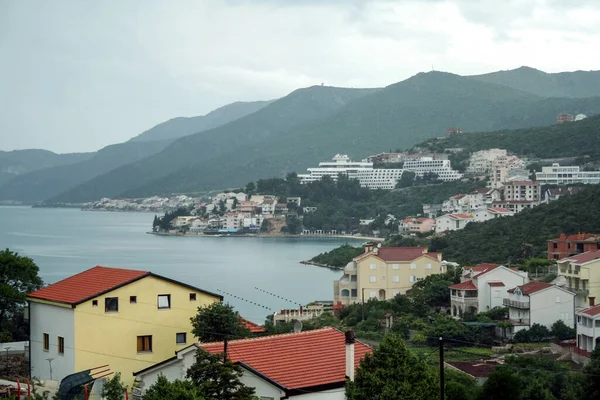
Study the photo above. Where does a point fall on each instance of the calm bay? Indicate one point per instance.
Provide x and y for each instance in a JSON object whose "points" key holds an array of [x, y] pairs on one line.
{"points": [[64, 242]]}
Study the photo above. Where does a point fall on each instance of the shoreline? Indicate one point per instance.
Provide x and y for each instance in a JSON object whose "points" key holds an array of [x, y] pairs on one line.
{"points": [[263, 235], [316, 264]]}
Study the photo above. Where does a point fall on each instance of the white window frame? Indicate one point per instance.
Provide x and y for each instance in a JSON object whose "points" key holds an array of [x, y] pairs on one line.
{"points": [[373, 294], [164, 301], [413, 278], [428, 266], [395, 266], [396, 278], [373, 266], [373, 278], [413, 265]]}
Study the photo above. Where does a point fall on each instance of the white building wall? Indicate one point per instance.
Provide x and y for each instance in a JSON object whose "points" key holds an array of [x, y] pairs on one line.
{"points": [[492, 296], [55, 321], [171, 371], [550, 305], [333, 394], [261, 387]]}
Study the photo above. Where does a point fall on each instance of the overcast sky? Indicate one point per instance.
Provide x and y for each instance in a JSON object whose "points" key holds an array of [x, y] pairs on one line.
{"points": [[79, 75]]}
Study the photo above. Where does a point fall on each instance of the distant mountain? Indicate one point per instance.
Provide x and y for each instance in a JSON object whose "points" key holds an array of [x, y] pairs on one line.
{"points": [[18, 162], [41, 184], [313, 124], [203, 154], [574, 139], [563, 84], [184, 126]]}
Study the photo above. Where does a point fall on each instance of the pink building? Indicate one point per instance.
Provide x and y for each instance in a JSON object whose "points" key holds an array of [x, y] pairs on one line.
{"points": [[417, 225]]}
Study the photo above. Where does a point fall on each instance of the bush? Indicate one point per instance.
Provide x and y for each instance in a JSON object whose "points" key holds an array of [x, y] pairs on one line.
{"points": [[537, 333], [562, 332]]}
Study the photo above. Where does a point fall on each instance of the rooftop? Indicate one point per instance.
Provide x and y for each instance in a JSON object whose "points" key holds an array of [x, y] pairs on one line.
{"points": [[591, 311], [294, 360], [253, 327], [531, 287], [584, 258], [466, 285], [400, 253], [94, 282]]}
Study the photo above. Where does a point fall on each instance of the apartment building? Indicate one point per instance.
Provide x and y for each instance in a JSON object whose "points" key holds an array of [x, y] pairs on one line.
{"points": [[522, 190], [565, 175], [504, 168], [416, 225], [570, 245], [384, 272], [581, 275], [588, 329], [442, 168], [452, 222], [480, 162]]}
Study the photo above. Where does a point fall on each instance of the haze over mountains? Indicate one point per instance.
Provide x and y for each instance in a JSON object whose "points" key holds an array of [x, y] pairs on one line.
{"points": [[245, 141]]}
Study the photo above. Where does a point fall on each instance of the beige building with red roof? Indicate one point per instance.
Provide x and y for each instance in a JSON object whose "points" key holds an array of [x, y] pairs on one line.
{"points": [[311, 365], [483, 287], [539, 303], [384, 272], [588, 329], [452, 222], [119, 318], [581, 275]]}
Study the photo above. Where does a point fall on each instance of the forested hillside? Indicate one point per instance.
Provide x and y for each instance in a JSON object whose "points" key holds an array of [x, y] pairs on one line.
{"points": [[510, 239], [313, 124]]}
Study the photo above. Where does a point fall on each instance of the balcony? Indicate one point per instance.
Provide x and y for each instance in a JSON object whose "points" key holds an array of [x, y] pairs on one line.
{"points": [[581, 273], [467, 301], [524, 305]]}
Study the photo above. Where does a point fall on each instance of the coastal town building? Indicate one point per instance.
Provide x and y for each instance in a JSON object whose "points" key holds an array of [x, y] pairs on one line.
{"points": [[553, 194], [539, 303], [397, 158], [516, 206], [564, 117], [442, 168], [125, 319], [432, 210], [452, 222], [566, 175], [313, 310], [480, 162], [588, 329], [505, 168], [491, 213], [416, 225], [483, 198], [570, 245], [457, 204], [483, 287], [581, 275], [310, 365], [453, 131], [369, 177], [522, 190], [384, 272]]}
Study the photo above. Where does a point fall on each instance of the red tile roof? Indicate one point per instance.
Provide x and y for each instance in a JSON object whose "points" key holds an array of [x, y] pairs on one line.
{"points": [[591, 311], [531, 287], [584, 257], [466, 285], [460, 216], [96, 281], [499, 209], [496, 283], [295, 360], [87, 284], [400, 253], [254, 328]]}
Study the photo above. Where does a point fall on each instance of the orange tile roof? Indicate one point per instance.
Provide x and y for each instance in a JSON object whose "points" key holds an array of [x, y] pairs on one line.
{"points": [[496, 283], [466, 285], [96, 281], [254, 328], [584, 257], [87, 284], [400, 253], [294, 360], [531, 287]]}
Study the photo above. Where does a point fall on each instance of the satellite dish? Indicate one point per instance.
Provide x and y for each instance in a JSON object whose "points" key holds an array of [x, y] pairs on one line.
{"points": [[378, 245], [298, 326]]}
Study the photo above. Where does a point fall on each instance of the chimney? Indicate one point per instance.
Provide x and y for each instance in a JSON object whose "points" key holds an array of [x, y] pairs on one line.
{"points": [[592, 301], [350, 339]]}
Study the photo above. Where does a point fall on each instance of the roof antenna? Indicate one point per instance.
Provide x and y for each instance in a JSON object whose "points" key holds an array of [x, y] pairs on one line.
{"points": [[298, 326]]}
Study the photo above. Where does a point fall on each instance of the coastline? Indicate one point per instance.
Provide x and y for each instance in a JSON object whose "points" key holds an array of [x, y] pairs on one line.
{"points": [[277, 235]]}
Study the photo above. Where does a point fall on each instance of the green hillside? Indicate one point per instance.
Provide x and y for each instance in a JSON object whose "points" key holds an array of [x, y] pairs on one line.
{"points": [[506, 240], [399, 115], [210, 155], [565, 140], [184, 126], [562, 84], [44, 183]]}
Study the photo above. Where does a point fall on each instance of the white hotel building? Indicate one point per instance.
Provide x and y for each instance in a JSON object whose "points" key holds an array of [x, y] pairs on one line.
{"points": [[369, 177], [557, 175], [441, 168]]}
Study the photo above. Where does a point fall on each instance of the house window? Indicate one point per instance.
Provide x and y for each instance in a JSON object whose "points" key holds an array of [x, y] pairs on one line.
{"points": [[413, 278], [413, 266], [372, 279], [94, 303], [46, 342], [354, 292], [428, 266], [133, 299], [373, 266], [372, 294], [61, 345], [395, 293], [396, 278], [111, 304], [144, 343], [557, 300], [192, 296], [180, 338], [395, 266], [164, 301]]}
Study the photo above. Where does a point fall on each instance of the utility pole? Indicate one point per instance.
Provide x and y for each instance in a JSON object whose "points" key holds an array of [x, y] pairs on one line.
{"points": [[442, 395]]}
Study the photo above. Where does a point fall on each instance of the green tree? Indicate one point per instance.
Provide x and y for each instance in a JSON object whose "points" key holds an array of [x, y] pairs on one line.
{"points": [[18, 276], [218, 379], [592, 383], [392, 372], [176, 390], [264, 226], [113, 388], [407, 179], [250, 188], [216, 321], [502, 384], [561, 331]]}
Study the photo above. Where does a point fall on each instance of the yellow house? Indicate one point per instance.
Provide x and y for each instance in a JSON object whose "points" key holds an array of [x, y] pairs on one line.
{"points": [[124, 319], [581, 275], [384, 272]]}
